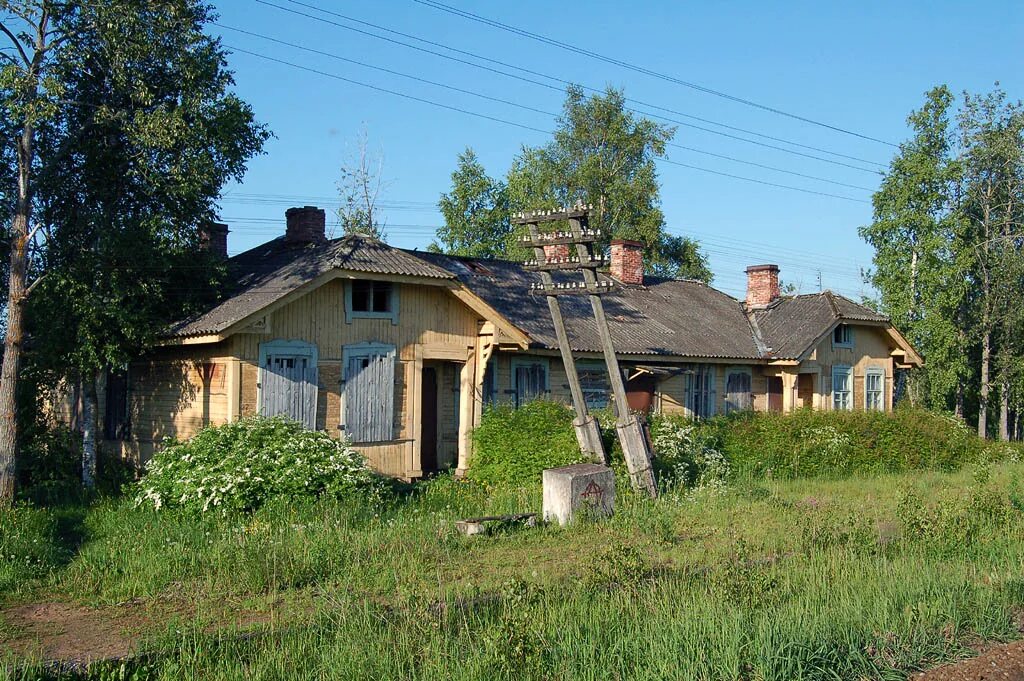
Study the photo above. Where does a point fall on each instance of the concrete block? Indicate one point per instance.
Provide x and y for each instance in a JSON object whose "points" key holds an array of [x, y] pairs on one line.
{"points": [[586, 488]]}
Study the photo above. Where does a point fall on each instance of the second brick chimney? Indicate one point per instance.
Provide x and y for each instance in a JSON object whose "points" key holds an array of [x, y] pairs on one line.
{"points": [[214, 238], [306, 225], [628, 261], [762, 285]]}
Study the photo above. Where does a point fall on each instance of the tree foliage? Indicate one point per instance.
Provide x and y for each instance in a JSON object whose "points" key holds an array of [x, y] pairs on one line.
{"points": [[126, 133], [601, 154], [947, 231], [476, 213]]}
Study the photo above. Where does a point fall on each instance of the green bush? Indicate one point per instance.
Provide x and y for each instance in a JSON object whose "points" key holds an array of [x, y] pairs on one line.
{"points": [[242, 465], [512, 446], [809, 443]]}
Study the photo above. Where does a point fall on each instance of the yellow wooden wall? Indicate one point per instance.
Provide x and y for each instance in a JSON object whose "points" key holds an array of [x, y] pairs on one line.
{"points": [[429, 316], [871, 348]]}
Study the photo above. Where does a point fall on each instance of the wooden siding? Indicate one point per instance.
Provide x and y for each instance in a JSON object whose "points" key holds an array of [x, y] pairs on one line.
{"points": [[430, 317], [871, 349]]}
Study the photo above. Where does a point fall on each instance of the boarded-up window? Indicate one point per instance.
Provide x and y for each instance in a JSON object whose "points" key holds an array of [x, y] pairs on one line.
{"points": [[529, 379], [369, 378], [288, 381], [874, 389], [842, 388], [738, 393], [700, 390]]}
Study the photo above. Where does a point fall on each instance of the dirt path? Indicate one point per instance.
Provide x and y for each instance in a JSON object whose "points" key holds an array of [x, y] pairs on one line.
{"points": [[58, 631], [1003, 662]]}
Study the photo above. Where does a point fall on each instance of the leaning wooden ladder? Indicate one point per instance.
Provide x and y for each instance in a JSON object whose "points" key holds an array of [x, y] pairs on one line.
{"points": [[628, 427]]}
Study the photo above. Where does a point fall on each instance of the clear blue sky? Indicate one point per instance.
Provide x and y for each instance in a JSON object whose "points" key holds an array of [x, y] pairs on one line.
{"points": [[859, 66]]}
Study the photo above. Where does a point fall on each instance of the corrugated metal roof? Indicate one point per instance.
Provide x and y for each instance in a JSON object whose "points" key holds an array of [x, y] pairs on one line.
{"points": [[791, 324], [264, 274], [664, 317]]}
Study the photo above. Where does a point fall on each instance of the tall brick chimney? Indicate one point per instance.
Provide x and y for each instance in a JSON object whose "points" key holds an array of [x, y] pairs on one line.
{"points": [[306, 225], [214, 238], [762, 285], [628, 261]]}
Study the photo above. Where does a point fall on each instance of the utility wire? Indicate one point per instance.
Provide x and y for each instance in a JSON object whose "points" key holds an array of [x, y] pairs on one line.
{"points": [[639, 69], [495, 119], [525, 107], [563, 84]]}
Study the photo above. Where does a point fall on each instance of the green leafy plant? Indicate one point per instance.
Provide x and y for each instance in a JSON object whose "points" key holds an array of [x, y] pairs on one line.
{"points": [[242, 465], [512, 446]]}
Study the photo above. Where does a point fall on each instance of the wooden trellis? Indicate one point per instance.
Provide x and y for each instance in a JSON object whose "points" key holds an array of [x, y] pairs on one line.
{"points": [[586, 262]]}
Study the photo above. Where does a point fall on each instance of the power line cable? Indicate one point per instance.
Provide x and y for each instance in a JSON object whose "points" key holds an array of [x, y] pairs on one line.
{"points": [[522, 106], [564, 83], [640, 69], [495, 119]]}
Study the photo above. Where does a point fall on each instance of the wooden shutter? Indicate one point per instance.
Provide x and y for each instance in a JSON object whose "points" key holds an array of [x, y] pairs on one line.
{"points": [[288, 387], [370, 396]]}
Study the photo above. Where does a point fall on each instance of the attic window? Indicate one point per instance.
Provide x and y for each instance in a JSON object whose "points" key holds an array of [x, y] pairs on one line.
{"points": [[842, 336], [371, 299]]}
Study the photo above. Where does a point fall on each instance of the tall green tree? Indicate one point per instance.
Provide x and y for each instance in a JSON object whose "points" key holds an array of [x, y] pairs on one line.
{"points": [[948, 233], [128, 133], [990, 130], [476, 213], [603, 155], [917, 234]]}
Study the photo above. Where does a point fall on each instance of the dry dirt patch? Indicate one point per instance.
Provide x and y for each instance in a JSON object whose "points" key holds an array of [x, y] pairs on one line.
{"points": [[58, 631], [997, 663]]}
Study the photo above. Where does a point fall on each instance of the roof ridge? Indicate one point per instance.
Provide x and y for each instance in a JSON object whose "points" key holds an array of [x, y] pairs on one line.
{"points": [[831, 298]]}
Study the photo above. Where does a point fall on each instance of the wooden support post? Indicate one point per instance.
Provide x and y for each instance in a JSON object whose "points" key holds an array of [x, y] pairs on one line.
{"points": [[466, 408], [630, 432], [588, 433]]}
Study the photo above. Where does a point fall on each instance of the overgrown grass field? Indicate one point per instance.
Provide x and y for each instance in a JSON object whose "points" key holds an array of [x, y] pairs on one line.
{"points": [[760, 578]]}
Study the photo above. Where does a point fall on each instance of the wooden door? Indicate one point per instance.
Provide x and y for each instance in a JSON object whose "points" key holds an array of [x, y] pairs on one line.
{"points": [[805, 389], [288, 387], [774, 393], [428, 414]]}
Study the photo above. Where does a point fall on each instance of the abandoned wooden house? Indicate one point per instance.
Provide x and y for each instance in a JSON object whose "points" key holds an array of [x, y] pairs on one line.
{"points": [[400, 351]]}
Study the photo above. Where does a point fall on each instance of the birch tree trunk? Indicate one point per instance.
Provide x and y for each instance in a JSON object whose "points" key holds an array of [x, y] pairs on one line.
{"points": [[1004, 412], [89, 426], [986, 387]]}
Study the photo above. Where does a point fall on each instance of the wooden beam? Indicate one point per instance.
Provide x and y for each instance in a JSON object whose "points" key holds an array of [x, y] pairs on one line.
{"points": [[541, 216], [588, 434]]}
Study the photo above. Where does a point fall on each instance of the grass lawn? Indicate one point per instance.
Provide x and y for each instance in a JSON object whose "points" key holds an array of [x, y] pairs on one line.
{"points": [[805, 579]]}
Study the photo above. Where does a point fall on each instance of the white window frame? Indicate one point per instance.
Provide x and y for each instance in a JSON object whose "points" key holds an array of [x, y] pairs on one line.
{"points": [[518, 362], [605, 393], [348, 352], [869, 373], [709, 393], [847, 334], [351, 314], [845, 370], [740, 370]]}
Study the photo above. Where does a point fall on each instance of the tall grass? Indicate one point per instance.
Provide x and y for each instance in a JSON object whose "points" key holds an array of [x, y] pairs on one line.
{"points": [[863, 578]]}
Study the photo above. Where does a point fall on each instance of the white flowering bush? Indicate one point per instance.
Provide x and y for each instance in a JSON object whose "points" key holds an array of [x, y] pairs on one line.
{"points": [[689, 453], [242, 465]]}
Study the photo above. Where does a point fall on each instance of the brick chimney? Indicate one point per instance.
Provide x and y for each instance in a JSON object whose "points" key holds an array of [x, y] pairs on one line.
{"points": [[556, 252], [213, 236], [628, 261], [762, 285], [306, 225]]}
